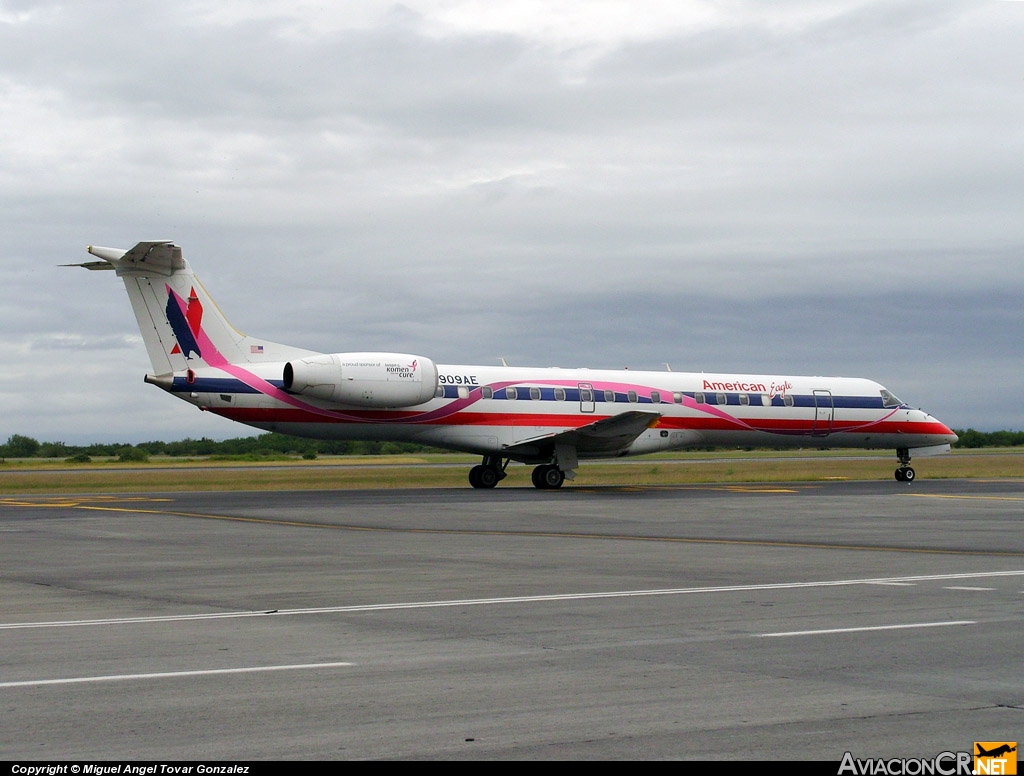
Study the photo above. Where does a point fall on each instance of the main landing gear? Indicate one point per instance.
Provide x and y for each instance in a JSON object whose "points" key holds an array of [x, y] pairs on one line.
{"points": [[489, 473], [548, 477], [904, 473], [492, 471]]}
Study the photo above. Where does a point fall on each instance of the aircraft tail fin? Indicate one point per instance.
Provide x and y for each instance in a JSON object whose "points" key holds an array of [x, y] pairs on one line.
{"points": [[180, 323]]}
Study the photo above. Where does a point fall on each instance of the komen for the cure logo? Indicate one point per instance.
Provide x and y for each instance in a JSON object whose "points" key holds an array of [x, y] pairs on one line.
{"points": [[185, 325], [397, 370]]}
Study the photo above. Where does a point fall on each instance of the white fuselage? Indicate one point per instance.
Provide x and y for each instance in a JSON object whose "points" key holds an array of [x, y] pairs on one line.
{"points": [[489, 410]]}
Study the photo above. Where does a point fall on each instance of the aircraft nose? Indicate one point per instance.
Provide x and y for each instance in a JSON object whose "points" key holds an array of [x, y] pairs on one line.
{"points": [[944, 430]]}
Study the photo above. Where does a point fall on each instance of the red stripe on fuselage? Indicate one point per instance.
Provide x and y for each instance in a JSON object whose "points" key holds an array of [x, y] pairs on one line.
{"points": [[566, 421]]}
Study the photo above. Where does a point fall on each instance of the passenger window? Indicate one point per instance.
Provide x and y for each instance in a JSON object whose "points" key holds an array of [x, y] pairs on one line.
{"points": [[439, 392], [609, 395], [510, 393], [677, 397], [787, 400], [559, 394], [632, 396], [463, 392], [535, 394], [586, 394], [744, 399], [766, 400], [655, 397], [699, 398], [721, 398], [487, 392]]}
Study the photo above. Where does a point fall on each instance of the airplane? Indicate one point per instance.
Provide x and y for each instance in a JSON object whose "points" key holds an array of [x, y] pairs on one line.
{"points": [[999, 750], [549, 418]]}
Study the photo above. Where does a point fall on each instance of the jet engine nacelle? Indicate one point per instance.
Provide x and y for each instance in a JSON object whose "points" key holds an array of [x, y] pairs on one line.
{"points": [[364, 379]]}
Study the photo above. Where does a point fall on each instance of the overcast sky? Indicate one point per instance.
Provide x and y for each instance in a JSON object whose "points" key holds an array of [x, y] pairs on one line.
{"points": [[794, 187]]}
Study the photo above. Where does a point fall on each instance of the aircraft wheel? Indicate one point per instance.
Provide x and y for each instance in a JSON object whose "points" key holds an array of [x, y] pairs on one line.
{"points": [[481, 476], [548, 477], [554, 477], [474, 476], [905, 474], [537, 477], [488, 477]]}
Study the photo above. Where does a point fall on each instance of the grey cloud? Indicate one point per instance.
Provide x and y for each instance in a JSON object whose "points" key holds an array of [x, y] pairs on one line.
{"points": [[839, 194]]}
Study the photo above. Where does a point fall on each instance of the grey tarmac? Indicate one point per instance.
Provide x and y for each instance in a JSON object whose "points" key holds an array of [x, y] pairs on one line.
{"points": [[778, 621]]}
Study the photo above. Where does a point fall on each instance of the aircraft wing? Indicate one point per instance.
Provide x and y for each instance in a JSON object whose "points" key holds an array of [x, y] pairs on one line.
{"points": [[603, 436]]}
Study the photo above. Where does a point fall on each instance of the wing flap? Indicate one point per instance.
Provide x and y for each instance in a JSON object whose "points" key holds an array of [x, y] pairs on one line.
{"points": [[604, 436]]}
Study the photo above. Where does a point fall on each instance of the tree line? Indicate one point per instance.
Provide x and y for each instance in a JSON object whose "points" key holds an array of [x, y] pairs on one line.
{"points": [[256, 447], [267, 445]]}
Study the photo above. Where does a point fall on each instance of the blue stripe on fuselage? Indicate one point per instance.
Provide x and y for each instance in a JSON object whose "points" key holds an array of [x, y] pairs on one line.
{"points": [[217, 385], [547, 394]]}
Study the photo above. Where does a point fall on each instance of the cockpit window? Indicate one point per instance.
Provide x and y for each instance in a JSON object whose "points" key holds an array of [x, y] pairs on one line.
{"points": [[890, 400]]}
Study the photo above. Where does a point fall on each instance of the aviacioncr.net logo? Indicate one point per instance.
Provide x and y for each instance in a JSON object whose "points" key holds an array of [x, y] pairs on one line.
{"points": [[943, 764]]}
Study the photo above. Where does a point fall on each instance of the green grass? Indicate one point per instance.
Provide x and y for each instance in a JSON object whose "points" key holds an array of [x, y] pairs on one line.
{"points": [[403, 471]]}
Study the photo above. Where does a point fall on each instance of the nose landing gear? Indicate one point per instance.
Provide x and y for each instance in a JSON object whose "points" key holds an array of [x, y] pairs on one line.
{"points": [[904, 473]]}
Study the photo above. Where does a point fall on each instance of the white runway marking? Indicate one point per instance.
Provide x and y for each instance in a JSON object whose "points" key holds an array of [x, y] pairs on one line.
{"points": [[509, 600], [894, 584], [905, 626], [170, 674], [965, 587]]}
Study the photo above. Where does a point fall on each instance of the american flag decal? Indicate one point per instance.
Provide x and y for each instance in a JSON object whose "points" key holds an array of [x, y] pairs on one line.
{"points": [[256, 349]]}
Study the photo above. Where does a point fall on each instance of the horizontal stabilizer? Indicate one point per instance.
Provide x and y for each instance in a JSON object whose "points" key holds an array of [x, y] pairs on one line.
{"points": [[161, 257], [92, 265]]}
